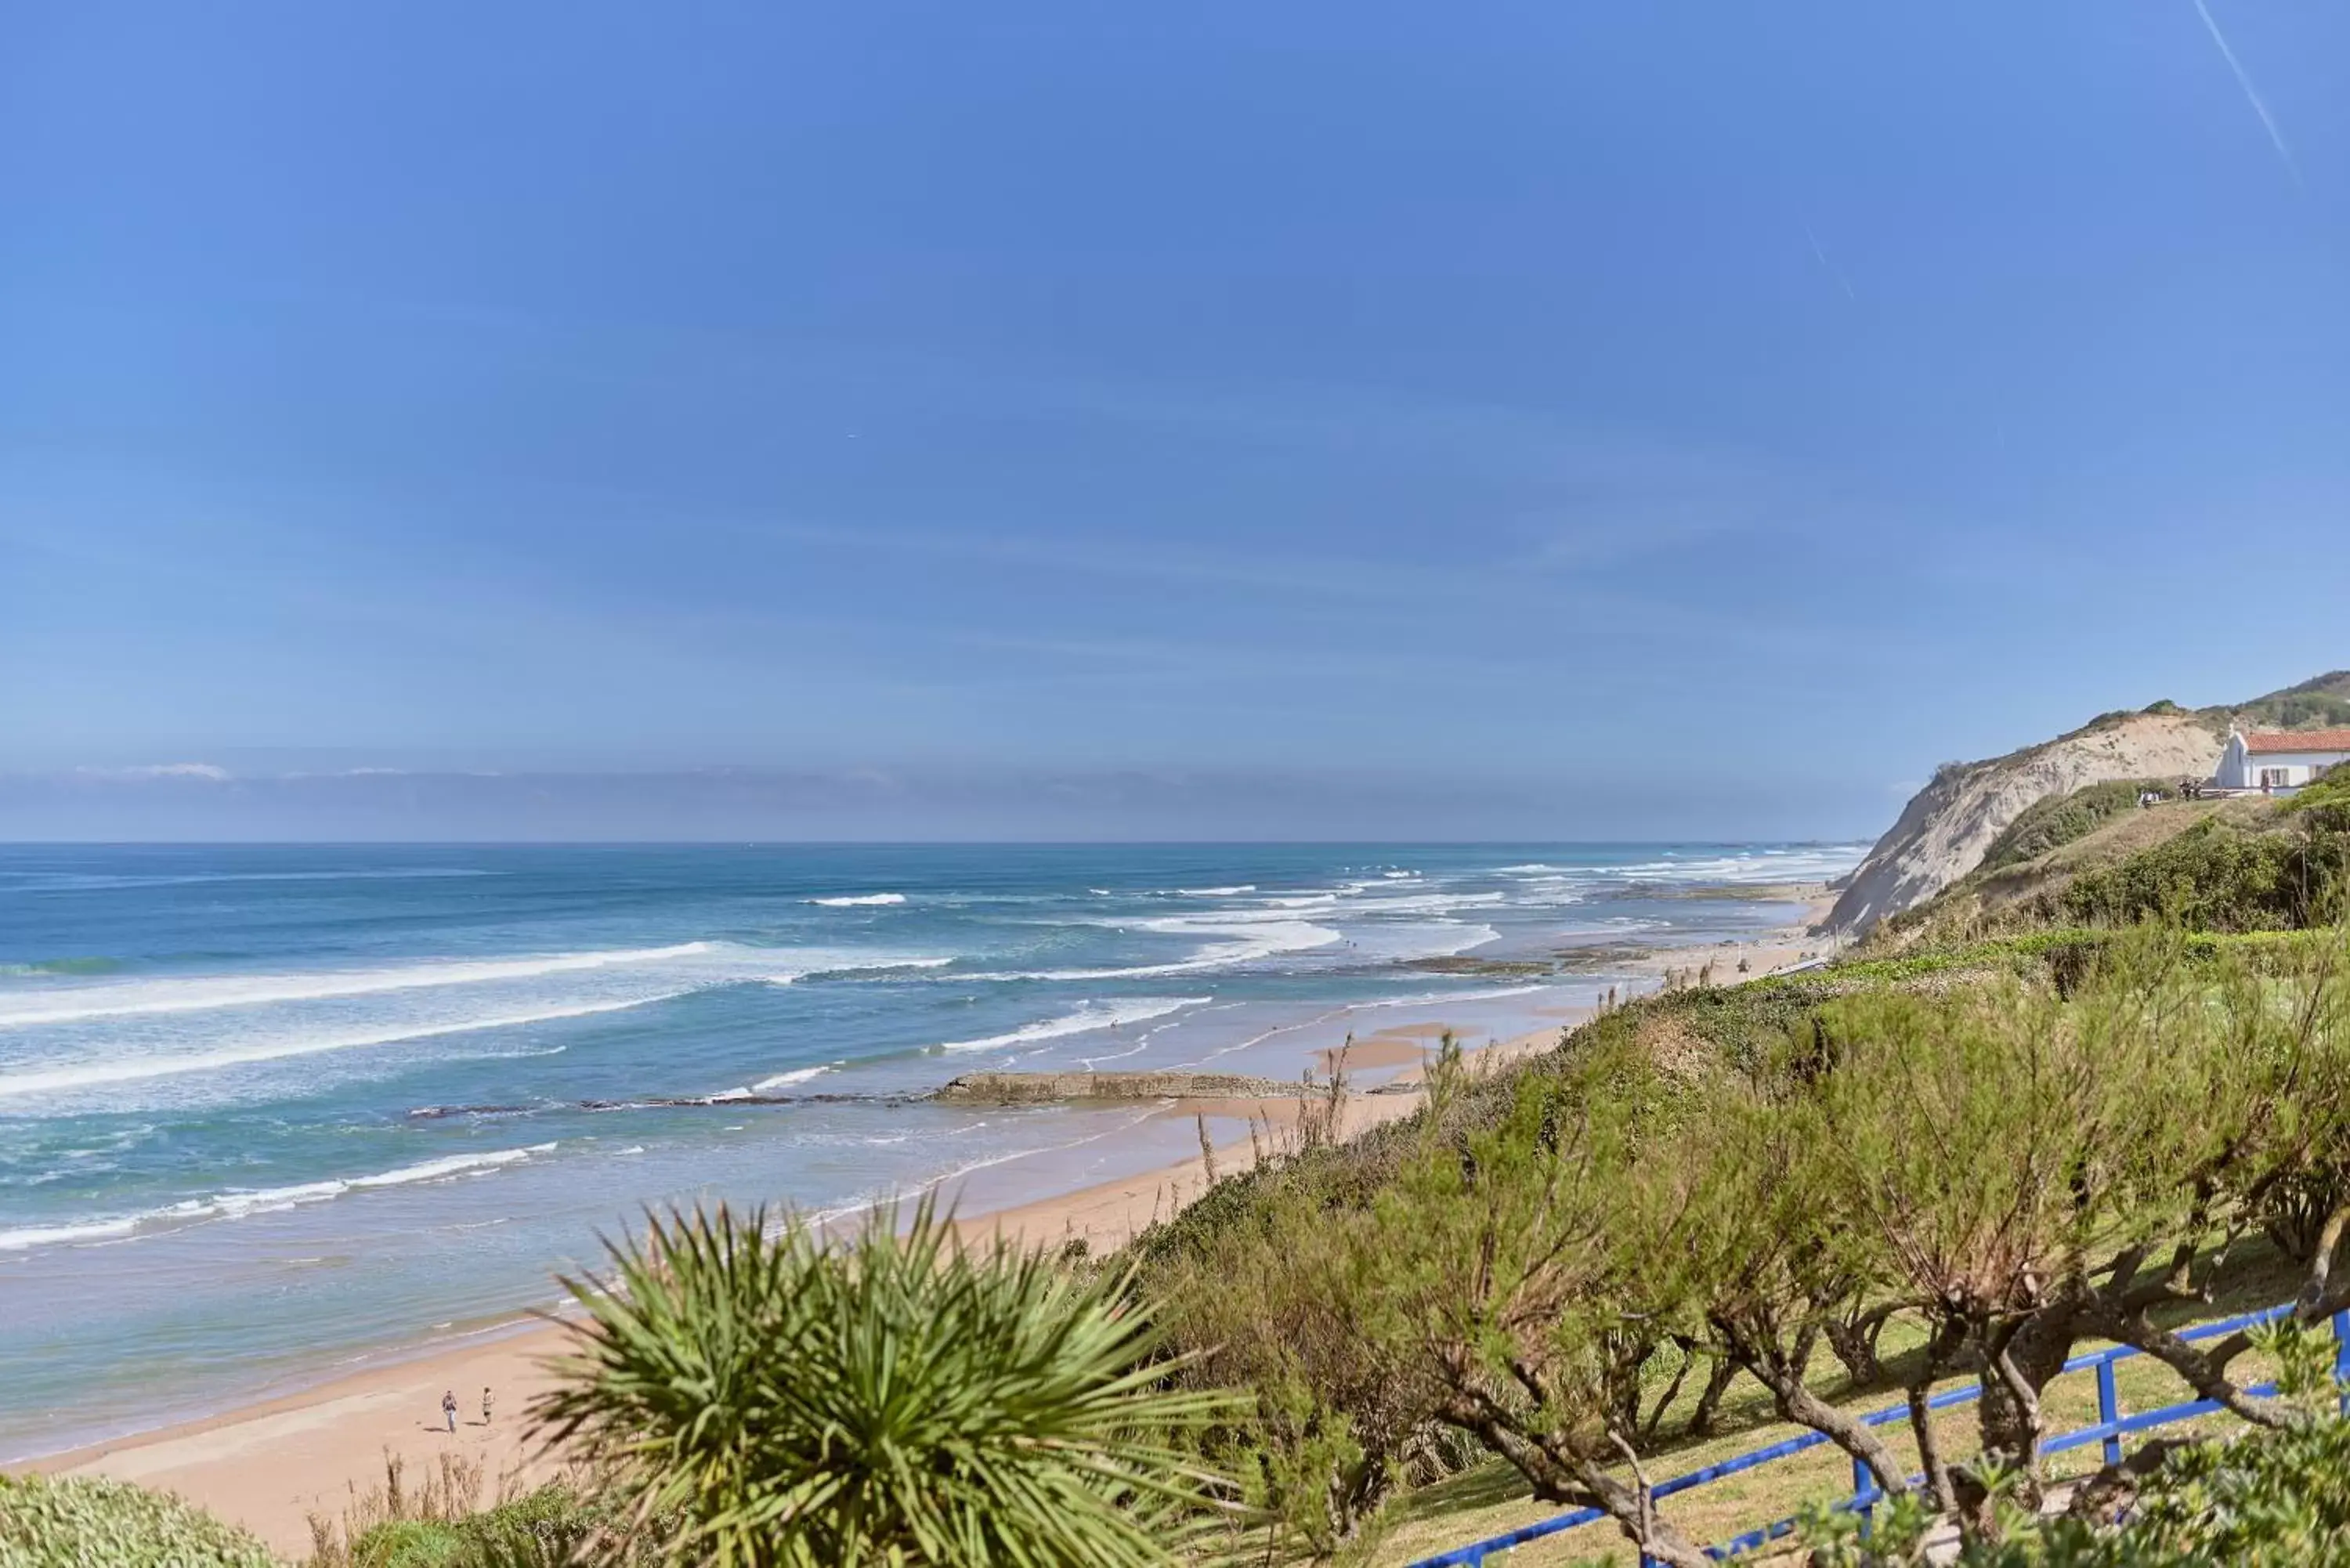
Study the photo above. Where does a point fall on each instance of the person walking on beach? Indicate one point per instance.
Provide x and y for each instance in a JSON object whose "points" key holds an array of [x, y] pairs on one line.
{"points": [[449, 1408], [485, 1404]]}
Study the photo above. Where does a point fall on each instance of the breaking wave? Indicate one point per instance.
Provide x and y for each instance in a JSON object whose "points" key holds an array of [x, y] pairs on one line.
{"points": [[238, 1203]]}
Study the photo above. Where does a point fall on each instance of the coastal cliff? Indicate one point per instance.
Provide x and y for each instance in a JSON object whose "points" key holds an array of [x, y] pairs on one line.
{"points": [[1943, 832]]}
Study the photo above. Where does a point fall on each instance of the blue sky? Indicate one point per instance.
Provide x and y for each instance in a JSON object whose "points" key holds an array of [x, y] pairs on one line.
{"points": [[1477, 419]]}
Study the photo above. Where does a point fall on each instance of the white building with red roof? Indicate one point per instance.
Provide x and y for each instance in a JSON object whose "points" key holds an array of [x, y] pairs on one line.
{"points": [[2275, 760]]}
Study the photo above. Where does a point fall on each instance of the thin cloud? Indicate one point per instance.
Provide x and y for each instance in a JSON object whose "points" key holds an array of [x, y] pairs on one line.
{"points": [[2251, 93], [1821, 255], [208, 771]]}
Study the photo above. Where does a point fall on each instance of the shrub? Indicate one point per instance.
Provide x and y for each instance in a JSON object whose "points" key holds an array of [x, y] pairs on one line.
{"points": [[549, 1527], [2213, 877], [752, 1395], [53, 1521]]}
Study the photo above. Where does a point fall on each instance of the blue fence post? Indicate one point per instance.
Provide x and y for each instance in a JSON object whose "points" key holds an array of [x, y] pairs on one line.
{"points": [[2109, 1409], [2342, 1357], [1863, 1492]]}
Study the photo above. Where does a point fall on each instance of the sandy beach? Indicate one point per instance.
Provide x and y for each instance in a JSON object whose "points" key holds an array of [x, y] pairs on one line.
{"points": [[270, 1466]]}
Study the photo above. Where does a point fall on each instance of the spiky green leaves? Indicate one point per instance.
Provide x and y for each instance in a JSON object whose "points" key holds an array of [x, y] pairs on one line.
{"points": [[759, 1397]]}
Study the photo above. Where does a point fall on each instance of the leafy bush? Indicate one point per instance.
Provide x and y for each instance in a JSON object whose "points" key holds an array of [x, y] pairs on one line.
{"points": [[752, 1394], [51, 1521], [2325, 805], [2219, 877]]}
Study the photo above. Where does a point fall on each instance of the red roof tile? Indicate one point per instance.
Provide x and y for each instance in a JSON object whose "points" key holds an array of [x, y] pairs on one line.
{"points": [[2264, 742]]}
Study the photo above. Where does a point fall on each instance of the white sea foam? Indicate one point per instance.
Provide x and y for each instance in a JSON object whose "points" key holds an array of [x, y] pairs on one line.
{"points": [[347, 1011], [1425, 903], [1233, 892], [23, 1237], [857, 966], [1262, 933], [874, 1198], [89, 1074], [796, 1076], [863, 900], [130, 998], [1808, 863], [240, 1203], [1092, 1016], [1437, 998]]}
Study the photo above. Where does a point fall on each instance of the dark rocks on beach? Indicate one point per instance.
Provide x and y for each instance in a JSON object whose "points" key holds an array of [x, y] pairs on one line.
{"points": [[1486, 969], [971, 1089], [1038, 1088], [694, 1103]]}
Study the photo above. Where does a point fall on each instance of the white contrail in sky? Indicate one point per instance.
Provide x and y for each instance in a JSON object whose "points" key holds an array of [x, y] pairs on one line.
{"points": [[1821, 255], [2251, 93]]}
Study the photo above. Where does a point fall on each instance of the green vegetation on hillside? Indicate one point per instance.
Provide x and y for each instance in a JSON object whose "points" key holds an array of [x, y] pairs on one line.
{"points": [[2059, 820], [1556, 1266], [2093, 858], [2217, 876], [2322, 701]]}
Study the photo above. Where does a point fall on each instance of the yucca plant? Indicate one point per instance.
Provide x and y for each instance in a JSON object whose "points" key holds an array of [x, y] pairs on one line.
{"points": [[756, 1396]]}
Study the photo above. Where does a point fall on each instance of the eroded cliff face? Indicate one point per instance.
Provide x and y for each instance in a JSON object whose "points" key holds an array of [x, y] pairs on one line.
{"points": [[1947, 826]]}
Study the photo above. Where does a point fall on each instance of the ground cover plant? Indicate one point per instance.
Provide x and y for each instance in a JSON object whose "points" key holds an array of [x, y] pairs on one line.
{"points": [[54, 1522], [438, 1521]]}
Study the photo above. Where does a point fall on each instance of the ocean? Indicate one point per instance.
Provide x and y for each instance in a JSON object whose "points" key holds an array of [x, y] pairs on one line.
{"points": [[268, 1114]]}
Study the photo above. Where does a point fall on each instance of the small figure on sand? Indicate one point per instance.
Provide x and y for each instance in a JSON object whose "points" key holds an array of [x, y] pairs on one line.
{"points": [[485, 1404], [449, 1408]]}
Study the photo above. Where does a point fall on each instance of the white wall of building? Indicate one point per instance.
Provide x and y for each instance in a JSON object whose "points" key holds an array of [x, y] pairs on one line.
{"points": [[2241, 769]]}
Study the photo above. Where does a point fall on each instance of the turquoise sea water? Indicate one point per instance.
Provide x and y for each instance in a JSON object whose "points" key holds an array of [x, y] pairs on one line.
{"points": [[267, 1112]]}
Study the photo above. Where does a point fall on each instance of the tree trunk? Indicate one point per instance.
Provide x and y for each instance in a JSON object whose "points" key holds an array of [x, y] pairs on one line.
{"points": [[1561, 1476], [1709, 1402], [1853, 1341], [2010, 1422], [1783, 1376]]}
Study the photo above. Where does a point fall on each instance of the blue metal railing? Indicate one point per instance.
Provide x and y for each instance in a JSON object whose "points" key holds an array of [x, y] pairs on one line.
{"points": [[2111, 1427]]}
